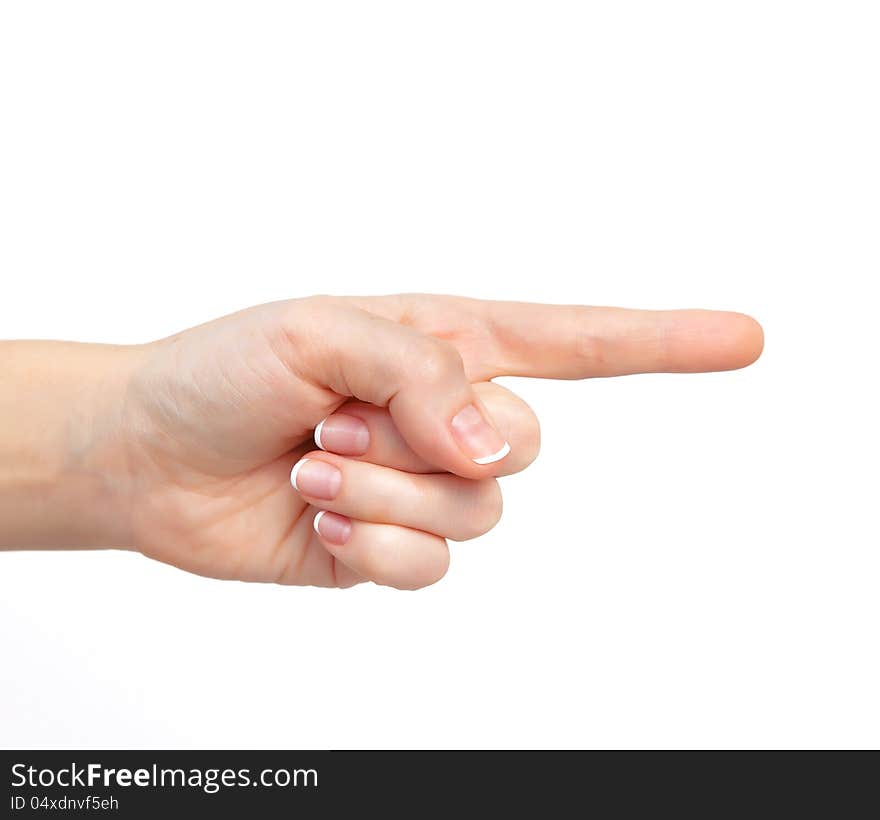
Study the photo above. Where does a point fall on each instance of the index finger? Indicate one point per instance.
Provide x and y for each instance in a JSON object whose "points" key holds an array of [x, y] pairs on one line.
{"points": [[574, 342]]}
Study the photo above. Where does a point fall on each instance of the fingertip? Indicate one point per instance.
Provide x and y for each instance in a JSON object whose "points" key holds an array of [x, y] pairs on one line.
{"points": [[516, 421], [704, 341], [747, 338], [757, 339]]}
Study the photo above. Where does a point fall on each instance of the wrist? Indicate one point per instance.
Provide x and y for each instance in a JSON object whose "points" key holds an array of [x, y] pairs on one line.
{"points": [[65, 480], [98, 452]]}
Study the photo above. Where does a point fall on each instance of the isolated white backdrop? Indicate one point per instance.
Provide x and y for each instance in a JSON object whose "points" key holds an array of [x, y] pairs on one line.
{"points": [[693, 561]]}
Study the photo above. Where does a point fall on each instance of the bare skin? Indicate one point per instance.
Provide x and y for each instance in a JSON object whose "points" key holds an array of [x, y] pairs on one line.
{"points": [[183, 448]]}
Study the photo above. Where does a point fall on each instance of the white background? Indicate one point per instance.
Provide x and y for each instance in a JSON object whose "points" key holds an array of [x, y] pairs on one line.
{"points": [[693, 561]]}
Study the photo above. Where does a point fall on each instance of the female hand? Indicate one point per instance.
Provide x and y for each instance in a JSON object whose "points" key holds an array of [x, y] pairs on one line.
{"points": [[188, 442]]}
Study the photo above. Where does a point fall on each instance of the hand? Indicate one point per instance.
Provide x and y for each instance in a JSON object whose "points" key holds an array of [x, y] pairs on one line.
{"points": [[202, 429]]}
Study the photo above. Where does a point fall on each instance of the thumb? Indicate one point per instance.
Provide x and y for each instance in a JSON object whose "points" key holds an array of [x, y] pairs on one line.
{"points": [[419, 378]]}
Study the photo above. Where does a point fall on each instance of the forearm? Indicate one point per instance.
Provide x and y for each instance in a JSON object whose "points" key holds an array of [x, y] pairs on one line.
{"points": [[63, 454]]}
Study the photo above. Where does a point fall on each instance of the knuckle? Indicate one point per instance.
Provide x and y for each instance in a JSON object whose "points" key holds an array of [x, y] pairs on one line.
{"points": [[396, 563], [296, 326], [295, 312], [432, 566], [385, 557], [316, 302], [590, 348], [485, 509], [436, 360]]}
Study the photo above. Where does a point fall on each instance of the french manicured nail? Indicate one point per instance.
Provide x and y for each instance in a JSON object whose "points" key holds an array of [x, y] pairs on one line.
{"points": [[478, 439], [314, 478], [332, 527], [346, 435]]}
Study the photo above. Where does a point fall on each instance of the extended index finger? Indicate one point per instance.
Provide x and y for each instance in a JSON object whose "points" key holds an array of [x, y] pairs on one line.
{"points": [[577, 342]]}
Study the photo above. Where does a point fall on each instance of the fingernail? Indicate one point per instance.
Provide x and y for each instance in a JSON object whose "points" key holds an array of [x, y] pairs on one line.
{"points": [[346, 435], [481, 442], [332, 527], [314, 478]]}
